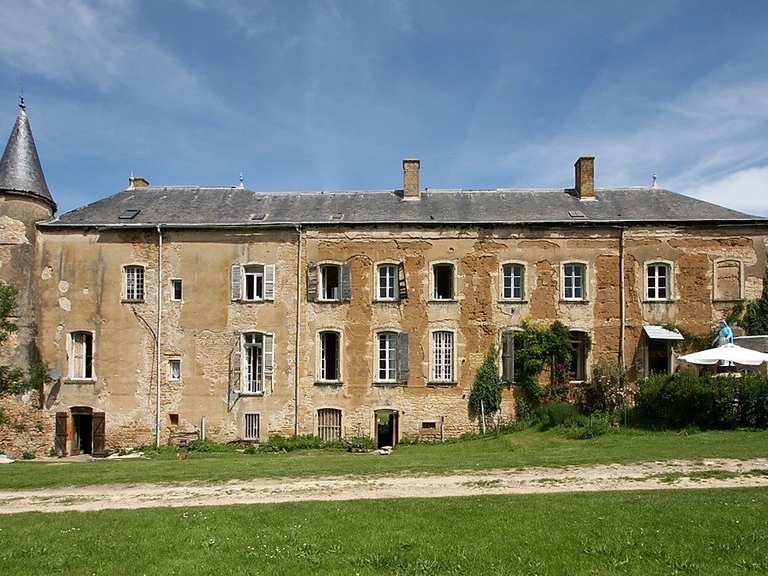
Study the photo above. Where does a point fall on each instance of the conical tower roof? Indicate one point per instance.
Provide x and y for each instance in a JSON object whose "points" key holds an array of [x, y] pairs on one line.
{"points": [[20, 170]]}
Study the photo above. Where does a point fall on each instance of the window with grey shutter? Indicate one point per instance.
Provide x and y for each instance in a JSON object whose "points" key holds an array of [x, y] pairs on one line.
{"points": [[508, 357], [402, 287], [312, 283], [235, 366], [346, 282], [269, 362], [269, 282], [234, 282], [403, 362]]}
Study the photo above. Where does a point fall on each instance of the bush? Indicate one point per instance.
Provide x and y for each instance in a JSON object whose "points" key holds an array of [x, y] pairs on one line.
{"points": [[594, 425], [487, 387], [557, 413], [28, 455], [208, 446], [603, 392], [684, 400], [279, 443]]}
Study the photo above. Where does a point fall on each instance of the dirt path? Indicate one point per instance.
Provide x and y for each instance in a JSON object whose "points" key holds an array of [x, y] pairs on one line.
{"points": [[674, 474]]}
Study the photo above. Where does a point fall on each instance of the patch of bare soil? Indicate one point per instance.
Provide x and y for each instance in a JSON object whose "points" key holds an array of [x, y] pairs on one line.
{"points": [[667, 475]]}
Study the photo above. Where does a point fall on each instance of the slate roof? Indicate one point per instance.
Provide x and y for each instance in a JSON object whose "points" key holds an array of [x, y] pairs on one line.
{"points": [[20, 170], [234, 206]]}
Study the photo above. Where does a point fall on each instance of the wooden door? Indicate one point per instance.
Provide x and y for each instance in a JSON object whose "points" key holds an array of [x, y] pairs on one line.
{"points": [[99, 425], [61, 434]]}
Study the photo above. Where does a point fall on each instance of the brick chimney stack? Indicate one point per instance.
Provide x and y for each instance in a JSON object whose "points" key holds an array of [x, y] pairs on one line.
{"points": [[411, 179], [137, 182], [585, 178]]}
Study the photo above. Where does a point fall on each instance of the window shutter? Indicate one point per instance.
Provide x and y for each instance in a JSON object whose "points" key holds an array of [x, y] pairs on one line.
{"points": [[98, 426], [61, 434], [235, 366], [235, 276], [403, 362], [508, 357], [402, 287], [269, 282], [269, 361], [346, 282], [312, 283]]}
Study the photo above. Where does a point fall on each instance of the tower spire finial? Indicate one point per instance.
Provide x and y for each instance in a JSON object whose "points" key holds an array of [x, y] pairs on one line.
{"points": [[22, 105]]}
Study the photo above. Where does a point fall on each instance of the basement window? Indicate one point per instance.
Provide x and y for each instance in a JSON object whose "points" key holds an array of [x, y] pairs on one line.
{"points": [[428, 425], [81, 356], [442, 280], [251, 431], [329, 424], [330, 356]]}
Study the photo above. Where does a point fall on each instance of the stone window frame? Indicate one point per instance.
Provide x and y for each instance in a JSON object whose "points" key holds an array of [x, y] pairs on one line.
{"points": [[375, 363], [454, 357], [268, 375], [670, 280], [319, 360], [455, 290], [376, 294], [524, 287], [585, 281], [717, 261], [170, 369], [124, 285], [320, 287], [335, 408], [71, 356]]}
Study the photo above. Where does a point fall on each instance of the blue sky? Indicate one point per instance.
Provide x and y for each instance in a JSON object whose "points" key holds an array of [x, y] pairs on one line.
{"points": [[334, 94]]}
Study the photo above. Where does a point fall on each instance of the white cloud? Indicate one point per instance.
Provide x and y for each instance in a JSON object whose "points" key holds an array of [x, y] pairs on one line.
{"points": [[745, 190]]}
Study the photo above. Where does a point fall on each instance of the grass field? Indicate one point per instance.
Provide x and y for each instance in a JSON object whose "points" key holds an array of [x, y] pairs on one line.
{"points": [[512, 450], [711, 532]]}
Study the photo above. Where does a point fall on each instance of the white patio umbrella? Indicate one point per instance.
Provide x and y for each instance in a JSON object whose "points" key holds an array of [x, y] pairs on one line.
{"points": [[727, 353]]}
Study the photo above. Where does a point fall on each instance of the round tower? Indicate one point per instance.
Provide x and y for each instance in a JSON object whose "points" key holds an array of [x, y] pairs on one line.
{"points": [[24, 201]]}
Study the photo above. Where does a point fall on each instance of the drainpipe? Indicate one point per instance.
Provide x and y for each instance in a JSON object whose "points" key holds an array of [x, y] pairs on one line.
{"points": [[622, 299], [157, 337], [298, 333]]}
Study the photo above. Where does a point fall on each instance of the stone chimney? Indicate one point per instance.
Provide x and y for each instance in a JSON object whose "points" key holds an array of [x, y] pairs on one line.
{"points": [[585, 178], [137, 182], [411, 179]]}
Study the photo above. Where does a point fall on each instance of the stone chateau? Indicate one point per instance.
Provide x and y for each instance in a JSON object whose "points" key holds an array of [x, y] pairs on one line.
{"points": [[167, 313]]}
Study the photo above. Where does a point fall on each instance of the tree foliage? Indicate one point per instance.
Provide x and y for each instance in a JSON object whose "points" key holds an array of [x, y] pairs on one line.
{"points": [[754, 316], [487, 386]]}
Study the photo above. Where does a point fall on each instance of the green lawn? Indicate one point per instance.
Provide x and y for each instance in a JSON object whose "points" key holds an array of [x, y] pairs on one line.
{"points": [[709, 532], [512, 450]]}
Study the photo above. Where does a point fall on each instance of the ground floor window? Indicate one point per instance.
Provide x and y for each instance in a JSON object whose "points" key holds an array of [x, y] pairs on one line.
{"points": [[257, 362], [442, 356], [251, 427], [329, 424], [578, 366], [658, 356], [330, 353]]}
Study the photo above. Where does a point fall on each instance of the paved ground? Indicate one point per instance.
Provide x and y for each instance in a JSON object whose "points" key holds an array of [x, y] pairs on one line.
{"points": [[674, 474]]}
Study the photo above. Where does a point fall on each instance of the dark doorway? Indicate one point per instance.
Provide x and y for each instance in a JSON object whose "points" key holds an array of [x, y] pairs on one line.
{"points": [[82, 431], [386, 428], [658, 357]]}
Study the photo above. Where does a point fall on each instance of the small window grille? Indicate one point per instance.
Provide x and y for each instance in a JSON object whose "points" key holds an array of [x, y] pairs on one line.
{"points": [[251, 427], [329, 424]]}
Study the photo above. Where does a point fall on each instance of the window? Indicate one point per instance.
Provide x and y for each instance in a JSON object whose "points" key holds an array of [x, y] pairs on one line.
{"points": [[251, 427], [173, 418], [430, 425], [253, 277], [81, 356], [176, 290], [728, 280], [174, 369], [573, 281], [513, 287], [387, 288], [329, 424], [134, 283], [442, 356], [330, 282], [657, 281], [577, 368], [387, 357], [508, 357], [330, 352], [442, 279], [257, 362]]}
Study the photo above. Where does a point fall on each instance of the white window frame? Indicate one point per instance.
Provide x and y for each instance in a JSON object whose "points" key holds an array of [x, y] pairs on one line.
{"points": [[321, 281], [72, 359], [246, 384], [171, 377], [578, 335], [319, 357], [390, 358], [173, 282], [340, 413], [437, 376], [670, 275], [248, 429], [503, 282], [133, 283], [433, 285], [714, 277], [395, 281], [584, 281], [245, 274]]}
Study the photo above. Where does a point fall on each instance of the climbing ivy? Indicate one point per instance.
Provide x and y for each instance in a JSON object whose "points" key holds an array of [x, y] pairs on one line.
{"points": [[487, 386]]}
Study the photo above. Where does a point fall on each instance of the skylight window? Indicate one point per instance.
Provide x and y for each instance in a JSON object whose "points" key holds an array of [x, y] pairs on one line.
{"points": [[129, 214]]}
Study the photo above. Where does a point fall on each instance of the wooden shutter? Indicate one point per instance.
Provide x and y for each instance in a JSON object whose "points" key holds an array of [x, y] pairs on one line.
{"points": [[234, 282], [269, 282], [402, 287], [269, 362], [235, 366], [508, 357], [61, 434], [403, 361], [346, 282], [312, 283], [98, 431]]}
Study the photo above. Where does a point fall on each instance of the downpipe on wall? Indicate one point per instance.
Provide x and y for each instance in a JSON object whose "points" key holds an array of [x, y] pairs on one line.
{"points": [[157, 337], [297, 329]]}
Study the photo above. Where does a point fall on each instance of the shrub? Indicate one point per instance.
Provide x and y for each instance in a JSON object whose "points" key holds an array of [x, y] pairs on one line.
{"points": [[208, 446], [603, 392], [557, 413], [594, 425], [28, 455], [487, 387]]}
